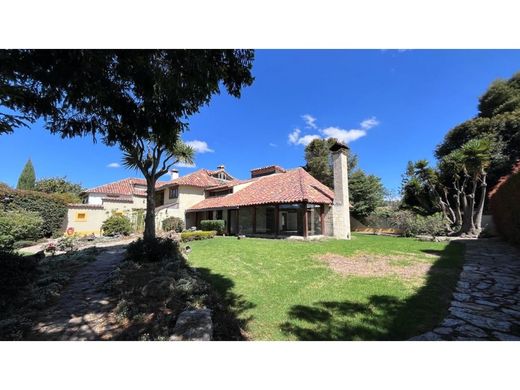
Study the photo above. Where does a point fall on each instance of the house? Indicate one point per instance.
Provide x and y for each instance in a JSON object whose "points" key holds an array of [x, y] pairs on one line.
{"points": [[273, 202], [126, 197]]}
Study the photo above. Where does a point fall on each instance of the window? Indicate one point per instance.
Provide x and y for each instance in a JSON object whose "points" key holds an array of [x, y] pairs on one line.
{"points": [[81, 217], [173, 193], [219, 214]]}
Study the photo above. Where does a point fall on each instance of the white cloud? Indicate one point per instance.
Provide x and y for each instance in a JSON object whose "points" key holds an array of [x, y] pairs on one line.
{"points": [[310, 121], [113, 165], [273, 145], [342, 135], [369, 123], [184, 165], [200, 146], [293, 137], [307, 139]]}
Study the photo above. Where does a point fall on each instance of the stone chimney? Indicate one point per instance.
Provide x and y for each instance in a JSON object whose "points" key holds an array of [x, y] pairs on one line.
{"points": [[174, 173], [341, 207]]}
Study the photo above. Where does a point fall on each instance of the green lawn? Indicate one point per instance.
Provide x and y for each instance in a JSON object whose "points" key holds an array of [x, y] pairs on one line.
{"points": [[282, 292]]}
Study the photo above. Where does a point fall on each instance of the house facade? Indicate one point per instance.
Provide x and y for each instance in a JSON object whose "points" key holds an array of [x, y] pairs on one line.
{"points": [[273, 202]]}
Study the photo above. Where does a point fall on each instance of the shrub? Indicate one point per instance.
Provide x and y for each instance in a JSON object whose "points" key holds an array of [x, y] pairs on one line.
{"points": [[117, 224], [505, 205], [216, 224], [409, 223], [149, 251], [20, 224], [16, 272], [67, 244], [6, 242], [197, 235], [173, 223], [51, 209]]}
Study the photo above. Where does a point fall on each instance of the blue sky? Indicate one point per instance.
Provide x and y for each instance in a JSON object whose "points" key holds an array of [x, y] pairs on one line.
{"points": [[392, 106]]}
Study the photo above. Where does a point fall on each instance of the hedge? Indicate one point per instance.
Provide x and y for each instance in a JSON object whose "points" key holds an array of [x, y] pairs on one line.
{"points": [[52, 210], [504, 204], [197, 235], [213, 224], [116, 224], [20, 224], [173, 223]]}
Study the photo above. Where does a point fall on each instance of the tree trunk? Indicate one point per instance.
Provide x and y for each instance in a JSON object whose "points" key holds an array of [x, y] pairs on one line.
{"points": [[480, 207], [149, 220], [468, 225]]}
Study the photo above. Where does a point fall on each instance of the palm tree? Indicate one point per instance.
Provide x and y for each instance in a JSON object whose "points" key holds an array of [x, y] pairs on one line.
{"points": [[154, 160], [476, 156]]}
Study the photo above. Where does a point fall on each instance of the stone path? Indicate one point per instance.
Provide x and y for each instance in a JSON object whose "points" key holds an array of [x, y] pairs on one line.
{"points": [[83, 311], [486, 303]]}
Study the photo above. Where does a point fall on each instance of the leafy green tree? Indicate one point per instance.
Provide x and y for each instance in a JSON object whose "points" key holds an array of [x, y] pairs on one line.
{"points": [[498, 120], [27, 178], [319, 160], [366, 191], [61, 188], [140, 100]]}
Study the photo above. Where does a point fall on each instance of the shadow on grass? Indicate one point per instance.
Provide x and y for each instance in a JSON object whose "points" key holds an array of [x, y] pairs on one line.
{"points": [[229, 321], [382, 317]]}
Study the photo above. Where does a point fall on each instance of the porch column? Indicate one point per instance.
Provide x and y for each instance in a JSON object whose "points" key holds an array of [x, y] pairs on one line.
{"points": [[305, 221], [322, 219], [228, 226], [254, 219], [237, 223], [276, 220]]}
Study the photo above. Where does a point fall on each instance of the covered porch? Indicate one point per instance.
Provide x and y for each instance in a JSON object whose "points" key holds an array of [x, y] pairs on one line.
{"points": [[269, 220]]}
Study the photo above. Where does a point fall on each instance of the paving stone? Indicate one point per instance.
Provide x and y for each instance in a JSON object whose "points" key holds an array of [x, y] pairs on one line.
{"points": [[486, 301], [193, 325], [429, 336], [506, 336]]}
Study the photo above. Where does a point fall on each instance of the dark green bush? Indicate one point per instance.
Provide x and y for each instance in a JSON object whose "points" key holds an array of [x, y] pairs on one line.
{"points": [[20, 224], [197, 235], [150, 251], [116, 224], [505, 205], [217, 225], [16, 272], [173, 223], [409, 223], [52, 210]]}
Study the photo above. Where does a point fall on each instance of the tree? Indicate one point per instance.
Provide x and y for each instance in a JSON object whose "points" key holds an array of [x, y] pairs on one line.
{"points": [[366, 192], [498, 119], [456, 187], [60, 187], [140, 100], [27, 178], [319, 160]]}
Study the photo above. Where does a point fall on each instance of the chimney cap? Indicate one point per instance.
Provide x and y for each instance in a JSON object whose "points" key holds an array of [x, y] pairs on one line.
{"points": [[338, 146], [221, 167], [174, 170]]}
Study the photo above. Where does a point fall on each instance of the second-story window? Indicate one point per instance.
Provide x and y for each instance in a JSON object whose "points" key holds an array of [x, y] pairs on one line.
{"points": [[174, 192]]}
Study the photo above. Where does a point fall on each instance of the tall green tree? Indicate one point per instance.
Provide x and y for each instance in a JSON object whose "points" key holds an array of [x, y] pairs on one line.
{"points": [[499, 120], [27, 178], [366, 192], [61, 188], [140, 100]]}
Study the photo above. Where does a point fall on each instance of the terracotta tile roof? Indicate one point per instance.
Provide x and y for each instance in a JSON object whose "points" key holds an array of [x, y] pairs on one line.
{"points": [[201, 178], [125, 187], [84, 206], [293, 186]]}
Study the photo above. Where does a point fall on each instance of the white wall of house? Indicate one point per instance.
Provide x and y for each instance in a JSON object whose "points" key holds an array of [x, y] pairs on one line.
{"points": [[176, 207], [96, 199]]}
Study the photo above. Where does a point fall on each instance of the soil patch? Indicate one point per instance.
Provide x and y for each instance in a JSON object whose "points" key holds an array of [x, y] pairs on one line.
{"points": [[373, 265]]}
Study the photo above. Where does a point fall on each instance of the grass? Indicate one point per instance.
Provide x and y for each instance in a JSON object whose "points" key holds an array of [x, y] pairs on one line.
{"points": [[280, 291]]}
